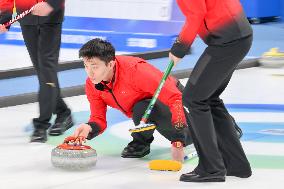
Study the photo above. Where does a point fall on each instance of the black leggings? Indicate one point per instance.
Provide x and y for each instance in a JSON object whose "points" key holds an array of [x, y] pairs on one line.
{"points": [[212, 128], [161, 117], [43, 44]]}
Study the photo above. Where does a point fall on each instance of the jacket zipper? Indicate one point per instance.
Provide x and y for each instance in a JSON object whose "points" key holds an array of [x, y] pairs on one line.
{"points": [[111, 92], [206, 25]]}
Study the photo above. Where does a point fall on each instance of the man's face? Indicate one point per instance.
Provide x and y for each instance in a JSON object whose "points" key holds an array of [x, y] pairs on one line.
{"points": [[97, 70]]}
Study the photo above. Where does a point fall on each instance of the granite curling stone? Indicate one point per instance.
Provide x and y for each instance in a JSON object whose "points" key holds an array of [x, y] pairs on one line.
{"points": [[73, 156]]}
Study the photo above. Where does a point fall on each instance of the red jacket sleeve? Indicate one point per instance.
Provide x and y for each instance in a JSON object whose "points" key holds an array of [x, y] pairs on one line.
{"points": [[97, 106], [146, 79], [6, 6], [194, 11], [6, 9]]}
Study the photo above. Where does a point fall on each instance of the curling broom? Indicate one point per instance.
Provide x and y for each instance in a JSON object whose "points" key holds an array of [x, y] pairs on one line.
{"points": [[144, 126]]}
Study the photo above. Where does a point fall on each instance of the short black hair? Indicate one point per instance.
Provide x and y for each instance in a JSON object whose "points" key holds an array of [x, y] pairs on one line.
{"points": [[98, 48]]}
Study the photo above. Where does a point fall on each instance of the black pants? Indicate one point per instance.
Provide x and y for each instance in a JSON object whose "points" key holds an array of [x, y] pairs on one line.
{"points": [[43, 44], [161, 117], [213, 131]]}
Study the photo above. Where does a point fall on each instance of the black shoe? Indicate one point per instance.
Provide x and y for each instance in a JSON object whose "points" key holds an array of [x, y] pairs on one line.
{"points": [[39, 135], [242, 174], [194, 177], [136, 149], [61, 126]]}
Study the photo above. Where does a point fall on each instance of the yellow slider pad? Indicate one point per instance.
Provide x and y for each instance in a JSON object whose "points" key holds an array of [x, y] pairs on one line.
{"points": [[165, 165]]}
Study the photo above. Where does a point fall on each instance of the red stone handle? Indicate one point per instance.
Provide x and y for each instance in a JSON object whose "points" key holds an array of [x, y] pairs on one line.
{"points": [[69, 143]]}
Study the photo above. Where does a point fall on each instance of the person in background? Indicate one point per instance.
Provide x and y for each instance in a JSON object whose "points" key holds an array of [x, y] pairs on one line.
{"points": [[42, 35]]}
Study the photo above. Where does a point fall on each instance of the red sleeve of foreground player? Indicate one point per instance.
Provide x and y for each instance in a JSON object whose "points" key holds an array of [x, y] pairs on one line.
{"points": [[97, 106]]}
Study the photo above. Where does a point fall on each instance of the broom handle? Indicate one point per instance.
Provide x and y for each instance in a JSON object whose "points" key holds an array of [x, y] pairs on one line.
{"points": [[157, 92], [20, 16], [191, 155]]}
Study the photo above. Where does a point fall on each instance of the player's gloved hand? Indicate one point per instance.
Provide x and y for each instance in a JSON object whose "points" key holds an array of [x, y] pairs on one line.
{"points": [[177, 151], [82, 132], [3, 29]]}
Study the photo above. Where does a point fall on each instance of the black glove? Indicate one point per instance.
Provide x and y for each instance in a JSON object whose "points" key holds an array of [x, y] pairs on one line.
{"points": [[4, 18], [179, 49], [95, 130], [180, 134]]}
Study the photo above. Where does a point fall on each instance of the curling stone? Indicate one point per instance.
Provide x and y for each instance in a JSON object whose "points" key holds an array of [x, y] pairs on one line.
{"points": [[73, 156], [272, 59]]}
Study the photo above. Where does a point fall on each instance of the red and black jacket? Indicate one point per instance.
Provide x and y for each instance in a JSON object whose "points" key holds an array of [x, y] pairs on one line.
{"points": [[134, 80], [217, 22], [6, 9]]}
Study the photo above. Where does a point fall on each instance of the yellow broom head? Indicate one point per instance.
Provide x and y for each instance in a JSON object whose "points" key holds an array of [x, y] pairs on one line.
{"points": [[165, 165]]}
